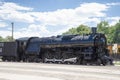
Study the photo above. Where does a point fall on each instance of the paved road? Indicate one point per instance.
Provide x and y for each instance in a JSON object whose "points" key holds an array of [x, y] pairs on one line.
{"points": [[40, 71]]}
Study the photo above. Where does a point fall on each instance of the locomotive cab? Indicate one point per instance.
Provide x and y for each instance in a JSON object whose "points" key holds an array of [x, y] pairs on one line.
{"points": [[32, 51], [21, 45]]}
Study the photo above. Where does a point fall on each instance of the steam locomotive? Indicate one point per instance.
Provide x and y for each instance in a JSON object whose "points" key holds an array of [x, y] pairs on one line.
{"points": [[70, 49]]}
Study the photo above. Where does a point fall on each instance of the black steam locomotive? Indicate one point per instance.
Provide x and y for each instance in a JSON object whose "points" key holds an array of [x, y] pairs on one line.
{"points": [[74, 49]]}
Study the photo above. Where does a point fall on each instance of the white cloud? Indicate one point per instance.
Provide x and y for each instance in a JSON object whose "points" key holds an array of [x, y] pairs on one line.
{"points": [[113, 20], [2, 24], [76, 16], [13, 6], [87, 13], [15, 12], [32, 30], [113, 4], [92, 9], [5, 33]]}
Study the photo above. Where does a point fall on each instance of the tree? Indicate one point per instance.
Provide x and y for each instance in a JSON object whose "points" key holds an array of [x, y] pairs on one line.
{"points": [[8, 38], [71, 31], [103, 27], [112, 33], [82, 29], [117, 33], [1, 39]]}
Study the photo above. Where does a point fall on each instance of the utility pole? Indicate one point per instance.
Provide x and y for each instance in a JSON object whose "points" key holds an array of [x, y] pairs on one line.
{"points": [[12, 30]]}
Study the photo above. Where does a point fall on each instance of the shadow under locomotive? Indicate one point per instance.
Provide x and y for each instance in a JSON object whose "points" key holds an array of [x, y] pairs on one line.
{"points": [[73, 49]]}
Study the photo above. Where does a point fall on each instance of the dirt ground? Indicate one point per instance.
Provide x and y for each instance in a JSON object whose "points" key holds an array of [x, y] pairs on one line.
{"points": [[41, 71]]}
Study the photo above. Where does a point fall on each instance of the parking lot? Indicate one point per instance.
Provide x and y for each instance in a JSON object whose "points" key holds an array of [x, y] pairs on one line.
{"points": [[42, 71]]}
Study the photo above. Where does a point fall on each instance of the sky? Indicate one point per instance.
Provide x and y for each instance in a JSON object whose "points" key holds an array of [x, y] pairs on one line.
{"points": [[43, 18]]}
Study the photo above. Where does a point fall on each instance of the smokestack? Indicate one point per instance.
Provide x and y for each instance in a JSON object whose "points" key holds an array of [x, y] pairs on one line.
{"points": [[94, 30]]}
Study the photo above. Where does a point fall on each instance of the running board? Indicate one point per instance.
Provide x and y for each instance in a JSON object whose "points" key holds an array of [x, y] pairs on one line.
{"points": [[74, 60]]}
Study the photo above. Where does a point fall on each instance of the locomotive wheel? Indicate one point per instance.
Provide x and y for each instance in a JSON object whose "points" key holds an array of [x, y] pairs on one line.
{"points": [[43, 58], [84, 62], [98, 62], [13, 59], [78, 61], [103, 63], [8, 59], [30, 60], [3, 58], [37, 60]]}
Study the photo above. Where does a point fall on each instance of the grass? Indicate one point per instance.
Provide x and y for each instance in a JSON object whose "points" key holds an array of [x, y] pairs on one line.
{"points": [[117, 62]]}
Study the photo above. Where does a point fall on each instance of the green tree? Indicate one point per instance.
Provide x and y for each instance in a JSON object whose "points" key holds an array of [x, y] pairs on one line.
{"points": [[81, 29], [71, 31], [8, 38], [117, 33], [112, 33], [103, 27], [1, 39]]}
